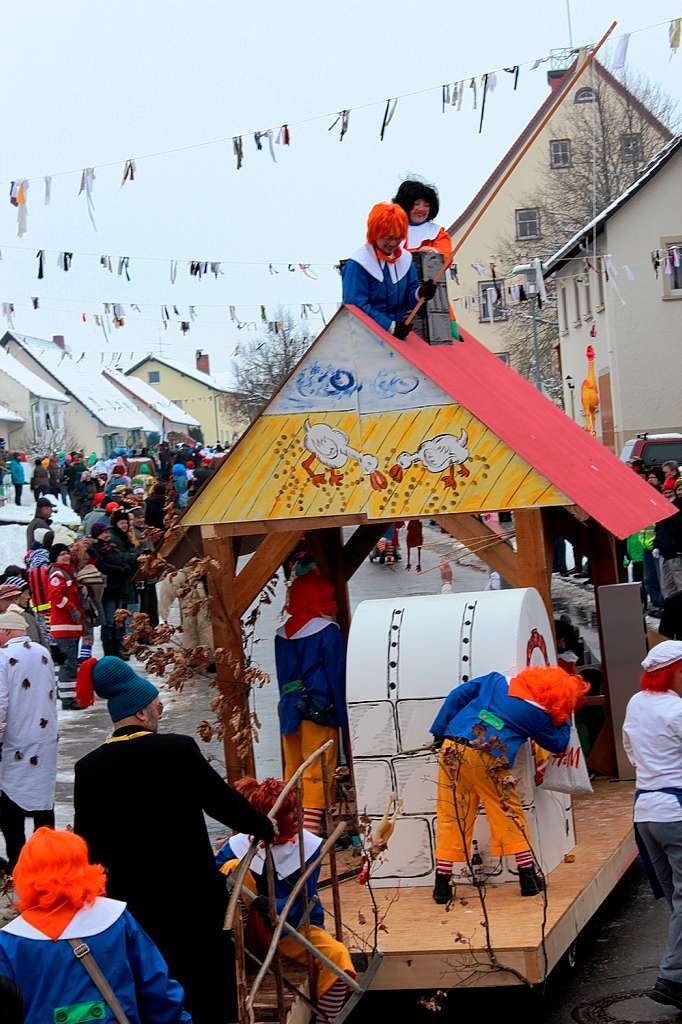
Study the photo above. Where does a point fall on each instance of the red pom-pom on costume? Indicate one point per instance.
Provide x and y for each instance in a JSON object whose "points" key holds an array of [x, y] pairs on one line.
{"points": [[85, 690]]}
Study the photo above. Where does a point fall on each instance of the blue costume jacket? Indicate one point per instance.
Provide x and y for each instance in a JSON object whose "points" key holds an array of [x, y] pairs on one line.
{"points": [[520, 719], [385, 291], [311, 675], [50, 978], [287, 873]]}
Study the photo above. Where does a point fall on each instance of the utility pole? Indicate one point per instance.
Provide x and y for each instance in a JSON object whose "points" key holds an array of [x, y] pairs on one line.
{"points": [[570, 26]]}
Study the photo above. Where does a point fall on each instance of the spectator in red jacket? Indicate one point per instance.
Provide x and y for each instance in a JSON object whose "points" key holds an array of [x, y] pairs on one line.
{"points": [[66, 621], [672, 475]]}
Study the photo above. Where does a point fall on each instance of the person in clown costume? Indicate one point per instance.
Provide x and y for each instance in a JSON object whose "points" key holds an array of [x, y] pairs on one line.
{"points": [[330, 990], [421, 204], [310, 657], [380, 278], [480, 728]]}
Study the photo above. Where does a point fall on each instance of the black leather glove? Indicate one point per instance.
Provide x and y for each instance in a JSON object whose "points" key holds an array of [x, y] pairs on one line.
{"points": [[265, 830], [427, 290], [401, 330]]}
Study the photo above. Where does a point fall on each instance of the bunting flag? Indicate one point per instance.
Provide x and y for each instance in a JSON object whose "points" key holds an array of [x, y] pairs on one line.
{"points": [[388, 117], [621, 53], [343, 117], [238, 149], [40, 256], [674, 32], [129, 170], [17, 197], [47, 184], [86, 186]]}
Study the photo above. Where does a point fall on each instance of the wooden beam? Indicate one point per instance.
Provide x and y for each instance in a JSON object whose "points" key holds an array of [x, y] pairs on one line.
{"points": [[535, 551], [359, 545], [227, 633], [492, 548], [285, 525], [261, 567], [601, 551]]}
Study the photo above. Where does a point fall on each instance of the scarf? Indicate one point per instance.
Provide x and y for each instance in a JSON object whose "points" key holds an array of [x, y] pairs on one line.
{"points": [[53, 920]]}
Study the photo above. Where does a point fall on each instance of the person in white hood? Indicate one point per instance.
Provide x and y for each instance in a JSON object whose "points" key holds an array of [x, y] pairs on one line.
{"points": [[652, 738]]}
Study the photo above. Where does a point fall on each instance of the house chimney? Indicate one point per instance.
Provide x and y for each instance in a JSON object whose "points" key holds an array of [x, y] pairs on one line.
{"points": [[555, 79], [202, 361], [58, 339]]}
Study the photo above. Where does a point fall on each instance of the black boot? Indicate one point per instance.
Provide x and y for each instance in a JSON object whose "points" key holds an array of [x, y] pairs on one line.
{"points": [[442, 893], [531, 882], [70, 704], [667, 992]]}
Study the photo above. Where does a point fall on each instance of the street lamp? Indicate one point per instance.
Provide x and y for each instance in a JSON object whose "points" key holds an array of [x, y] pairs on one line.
{"points": [[532, 271]]}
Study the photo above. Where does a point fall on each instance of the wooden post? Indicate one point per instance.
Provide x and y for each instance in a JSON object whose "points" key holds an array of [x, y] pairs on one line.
{"points": [[535, 553], [327, 548], [227, 633], [601, 550]]}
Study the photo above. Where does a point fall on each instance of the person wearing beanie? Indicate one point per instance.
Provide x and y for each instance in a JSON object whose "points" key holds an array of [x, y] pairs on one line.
{"points": [[41, 519], [28, 732], [480, 729], [380, 277], [37, 572], [115, 570], [21, 599], [652, 739], [181, 484], [122, 538], [154, 507], [139, 802], [95, 515], [66, 621], [60, 896]]}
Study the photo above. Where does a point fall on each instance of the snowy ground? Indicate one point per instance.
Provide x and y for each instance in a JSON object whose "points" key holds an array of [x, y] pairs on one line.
{"points": [[15, 518]]}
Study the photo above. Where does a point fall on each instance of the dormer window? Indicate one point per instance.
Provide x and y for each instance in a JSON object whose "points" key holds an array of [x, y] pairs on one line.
{"points": [[585, 96]]}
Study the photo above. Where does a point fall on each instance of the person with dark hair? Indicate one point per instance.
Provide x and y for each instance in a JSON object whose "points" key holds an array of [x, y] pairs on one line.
{"points": [[420, 203], [331, 991], [11, 1003], [380, 277], [40, 479], [655, 476], [16, 472], [139, 802], [61, 898], [652, 739], [41, 520], [154, 507]]}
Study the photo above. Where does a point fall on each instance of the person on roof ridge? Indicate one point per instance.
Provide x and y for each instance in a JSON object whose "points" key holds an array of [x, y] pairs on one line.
{"points": [[380, 277]]}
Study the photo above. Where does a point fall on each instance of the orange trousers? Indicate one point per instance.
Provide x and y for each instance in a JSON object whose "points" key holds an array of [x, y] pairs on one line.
{"points": [[467, 777], [300, 745], [320, 938]]}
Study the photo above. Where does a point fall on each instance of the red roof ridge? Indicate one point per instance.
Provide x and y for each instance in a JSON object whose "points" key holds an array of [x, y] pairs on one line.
{"points": [[542, 434]]}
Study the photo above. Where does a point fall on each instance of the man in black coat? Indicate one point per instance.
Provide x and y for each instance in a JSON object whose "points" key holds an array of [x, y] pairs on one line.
{"points": [[139, 802]]}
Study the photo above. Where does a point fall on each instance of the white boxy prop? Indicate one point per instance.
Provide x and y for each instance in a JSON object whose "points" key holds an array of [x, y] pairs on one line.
{"points": [[404, 657]]}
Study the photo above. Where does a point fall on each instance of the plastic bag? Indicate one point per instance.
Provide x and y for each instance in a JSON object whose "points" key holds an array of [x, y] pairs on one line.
{"points": [[567, 772]]}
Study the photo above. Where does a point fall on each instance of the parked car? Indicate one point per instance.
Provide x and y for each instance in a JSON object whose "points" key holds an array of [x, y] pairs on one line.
{"points": [[653, 449]]}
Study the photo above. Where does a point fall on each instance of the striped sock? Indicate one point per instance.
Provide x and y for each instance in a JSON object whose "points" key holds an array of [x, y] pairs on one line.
{"points": [[444, 867], [313, 818], [86, 650], [525, 859], [334, 998]]}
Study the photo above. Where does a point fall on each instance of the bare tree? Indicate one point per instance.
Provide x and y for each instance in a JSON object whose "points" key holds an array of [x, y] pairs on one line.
{"points": [[264, 363], [47, 442], [611, 140]]}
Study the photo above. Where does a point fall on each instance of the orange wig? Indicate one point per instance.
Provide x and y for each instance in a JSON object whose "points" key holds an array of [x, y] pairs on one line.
{"points": [[660, 679], [386, 219], [54, 868], [263, 797], [559, 693]]}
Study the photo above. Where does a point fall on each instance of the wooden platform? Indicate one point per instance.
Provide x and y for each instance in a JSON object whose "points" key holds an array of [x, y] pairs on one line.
{"points": [[427, 947]]}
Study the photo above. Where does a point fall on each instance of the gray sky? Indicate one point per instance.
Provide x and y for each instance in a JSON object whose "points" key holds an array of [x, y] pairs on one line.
{"points": [[92, 83]]}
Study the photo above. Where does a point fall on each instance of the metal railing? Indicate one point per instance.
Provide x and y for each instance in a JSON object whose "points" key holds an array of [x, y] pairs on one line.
{"points": [[271, 962]]}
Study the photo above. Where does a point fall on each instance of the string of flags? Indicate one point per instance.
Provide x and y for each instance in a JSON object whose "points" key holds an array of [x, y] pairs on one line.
{"points": [[480, 87]]}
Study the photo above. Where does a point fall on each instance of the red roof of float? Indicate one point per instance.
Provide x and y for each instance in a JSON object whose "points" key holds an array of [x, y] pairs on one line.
{"points": [[570, 458]]}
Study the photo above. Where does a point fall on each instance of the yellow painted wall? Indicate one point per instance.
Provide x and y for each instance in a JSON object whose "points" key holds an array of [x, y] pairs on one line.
{"points": [[212, 408], [271, 474]]}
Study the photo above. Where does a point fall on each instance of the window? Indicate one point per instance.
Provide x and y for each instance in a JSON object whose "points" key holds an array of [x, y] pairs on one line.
{"points": [[585, 96], [631, 148], [527, 224], [491, 305], [153, 376], [564, 308], [576, 296], [179, 403], [504, 357], [560, 153], [671, 270]]}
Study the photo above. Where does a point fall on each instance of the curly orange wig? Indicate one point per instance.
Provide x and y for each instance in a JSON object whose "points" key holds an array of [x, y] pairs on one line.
{"points": [[263, 797], [660, 679], [53, 868], [386, 219], [559, 693]]}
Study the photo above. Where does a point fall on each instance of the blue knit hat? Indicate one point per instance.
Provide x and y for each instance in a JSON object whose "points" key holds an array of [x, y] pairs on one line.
{"points": [[126, 693]]}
